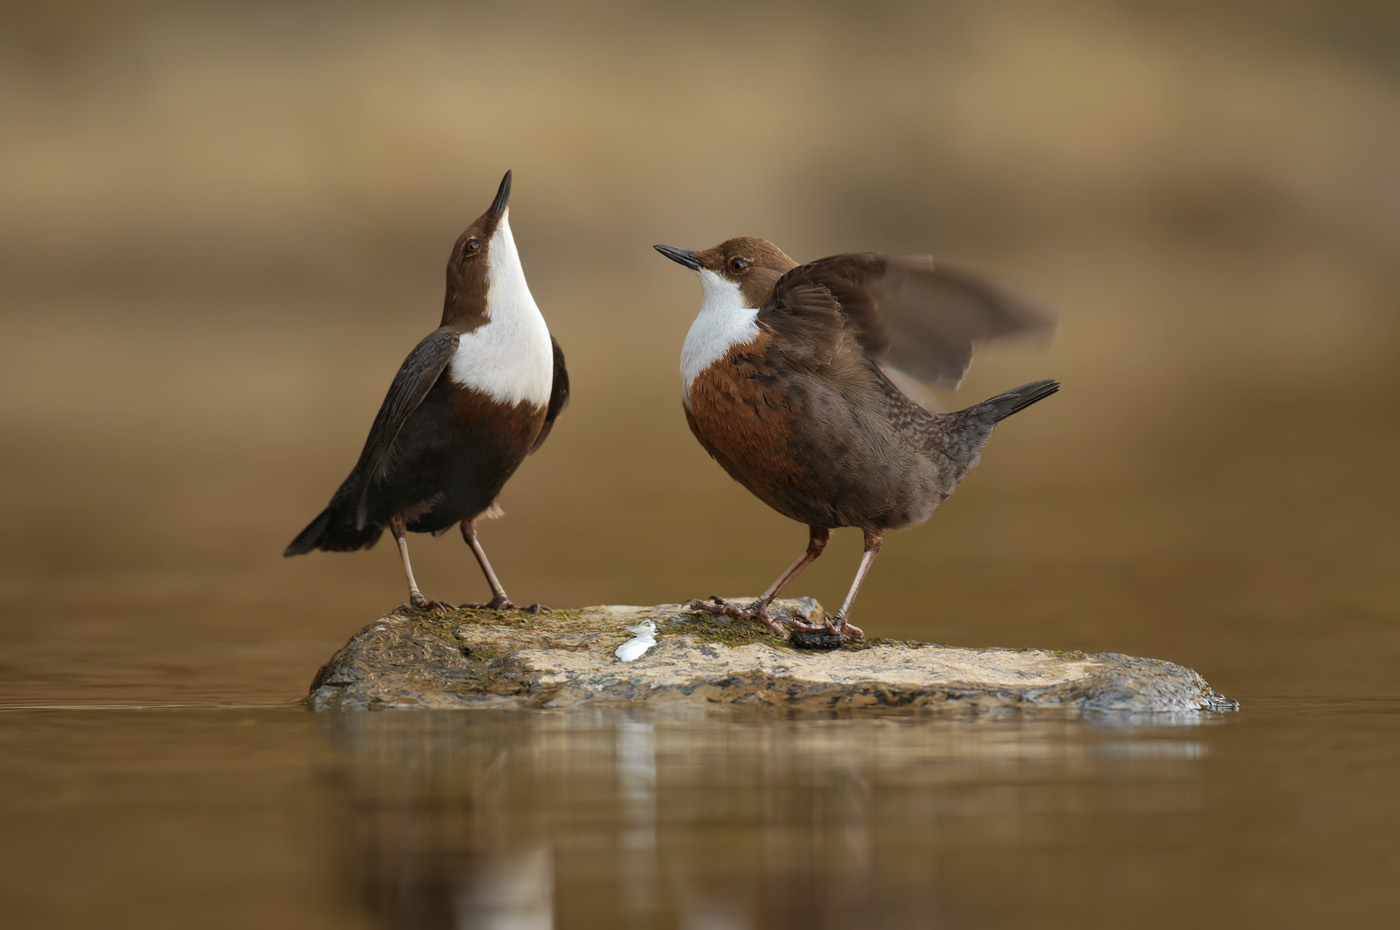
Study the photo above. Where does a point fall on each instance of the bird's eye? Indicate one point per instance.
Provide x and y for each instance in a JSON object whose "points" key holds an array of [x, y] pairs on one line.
{"points": [[473, 245], [737, 265]]}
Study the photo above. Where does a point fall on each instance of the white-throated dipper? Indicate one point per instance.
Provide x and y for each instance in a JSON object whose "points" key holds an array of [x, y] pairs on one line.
{"points": [[475, 397], [784, 386]]}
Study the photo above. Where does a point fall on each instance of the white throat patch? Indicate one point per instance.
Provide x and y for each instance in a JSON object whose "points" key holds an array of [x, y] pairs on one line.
{"points": [[509, 357], [724, 322]]}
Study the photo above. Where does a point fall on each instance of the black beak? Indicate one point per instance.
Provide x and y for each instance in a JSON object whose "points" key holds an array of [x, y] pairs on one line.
{"points": [[680, 256], [498, 206]]}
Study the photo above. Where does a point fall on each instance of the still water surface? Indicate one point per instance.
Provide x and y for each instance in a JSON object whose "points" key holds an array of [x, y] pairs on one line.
{"points": [[223, 226], [232, 817], [156, 770]]}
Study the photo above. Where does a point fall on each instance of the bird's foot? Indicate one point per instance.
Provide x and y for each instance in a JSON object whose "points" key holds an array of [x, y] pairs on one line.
{"points": [[419, 602], [840, 626], [799, 625], [504, 603], [755, 612], [831, 633]]}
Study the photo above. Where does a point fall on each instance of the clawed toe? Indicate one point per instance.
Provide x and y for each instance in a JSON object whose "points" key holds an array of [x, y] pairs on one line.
{"points": [[831, 633], [503, 603], [422, 603], [496, 603], [718, 605], [755, 612], [713, 604], [840, 626], [803, 626]]}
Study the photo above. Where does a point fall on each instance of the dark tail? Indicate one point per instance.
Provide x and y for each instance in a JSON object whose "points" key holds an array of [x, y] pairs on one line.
{"points": [[1004, 405], [333, 531]]}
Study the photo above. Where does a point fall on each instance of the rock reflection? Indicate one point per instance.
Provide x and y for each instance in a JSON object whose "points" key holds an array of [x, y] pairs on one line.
{"points": [[507, 820]]}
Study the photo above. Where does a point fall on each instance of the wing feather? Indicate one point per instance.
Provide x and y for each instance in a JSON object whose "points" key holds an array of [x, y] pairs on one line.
{"points": [[415, 378], [558, 394], [906, 312]]}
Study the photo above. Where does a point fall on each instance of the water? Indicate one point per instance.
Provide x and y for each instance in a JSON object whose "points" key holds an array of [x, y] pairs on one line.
{"points": [[156, 769], [221, 229], [1280, 816]]}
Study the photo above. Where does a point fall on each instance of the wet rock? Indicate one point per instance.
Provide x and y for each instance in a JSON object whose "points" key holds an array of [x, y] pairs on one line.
{"points": [[567, 658]]}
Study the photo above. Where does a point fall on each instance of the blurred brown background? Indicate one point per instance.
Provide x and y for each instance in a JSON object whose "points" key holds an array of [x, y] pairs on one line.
{"points": [[222, 228]]}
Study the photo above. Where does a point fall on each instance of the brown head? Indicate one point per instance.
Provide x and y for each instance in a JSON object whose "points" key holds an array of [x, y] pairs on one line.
{"points": [[753, 264], [469, 266]]}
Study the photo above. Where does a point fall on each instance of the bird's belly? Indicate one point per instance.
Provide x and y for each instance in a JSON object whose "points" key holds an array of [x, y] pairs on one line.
{"points": [[453, 456], [802, 447]]}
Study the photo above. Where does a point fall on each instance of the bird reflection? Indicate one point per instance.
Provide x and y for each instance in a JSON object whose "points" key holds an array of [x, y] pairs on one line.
{"points": [[487, 820], [432, 844]]}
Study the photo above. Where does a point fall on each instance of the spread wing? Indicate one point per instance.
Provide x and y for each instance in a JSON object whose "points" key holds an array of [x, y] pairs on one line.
{"points": [[558, 394], [416, 377], [905, 311]]}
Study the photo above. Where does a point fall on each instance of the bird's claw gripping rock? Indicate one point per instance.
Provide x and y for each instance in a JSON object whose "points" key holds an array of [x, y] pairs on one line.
{"points": [[755, 612]]}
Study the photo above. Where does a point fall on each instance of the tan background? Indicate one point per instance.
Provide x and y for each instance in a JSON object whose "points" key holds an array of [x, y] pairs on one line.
{"points": [[222, 229]]}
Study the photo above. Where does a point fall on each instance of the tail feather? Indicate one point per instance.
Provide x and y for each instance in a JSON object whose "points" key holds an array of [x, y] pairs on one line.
{"points": [[333, 532], [1005, 404]]}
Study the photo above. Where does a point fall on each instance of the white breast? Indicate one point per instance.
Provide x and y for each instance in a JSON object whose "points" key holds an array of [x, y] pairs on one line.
{"points": [[724, 322], [509, 357]]}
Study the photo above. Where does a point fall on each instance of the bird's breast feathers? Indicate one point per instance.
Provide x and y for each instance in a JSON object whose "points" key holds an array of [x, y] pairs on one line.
{"points": [[736, 405], [509, 357], [723, 323]]}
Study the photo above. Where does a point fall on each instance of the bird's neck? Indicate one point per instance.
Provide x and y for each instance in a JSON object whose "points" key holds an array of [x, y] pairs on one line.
{"points": [[724, 321], [505, 296], [508, 354]]}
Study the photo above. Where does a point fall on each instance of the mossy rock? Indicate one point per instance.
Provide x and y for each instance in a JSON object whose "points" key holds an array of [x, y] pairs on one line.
{"points": [[565, 658]]}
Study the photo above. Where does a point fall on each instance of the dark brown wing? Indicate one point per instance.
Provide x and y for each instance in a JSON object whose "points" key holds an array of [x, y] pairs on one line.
{"points": [[906, 312], [415, 379], [558, 394]]}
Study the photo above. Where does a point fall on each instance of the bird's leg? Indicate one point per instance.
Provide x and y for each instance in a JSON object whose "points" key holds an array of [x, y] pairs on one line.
{"points": [[415, 597], [839, 624], [758, 610], [498, 601], [816, 543]]}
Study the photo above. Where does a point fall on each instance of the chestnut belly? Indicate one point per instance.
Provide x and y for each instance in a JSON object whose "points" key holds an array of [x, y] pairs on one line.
{"points": [[814, 453]]}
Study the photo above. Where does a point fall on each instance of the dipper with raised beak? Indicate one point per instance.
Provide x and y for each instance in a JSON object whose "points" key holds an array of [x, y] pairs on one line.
{"points": [[470, 402], [785, 386]]}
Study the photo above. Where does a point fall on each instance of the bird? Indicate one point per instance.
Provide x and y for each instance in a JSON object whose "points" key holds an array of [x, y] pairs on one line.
{"points": [[787, 385], [472, 400]]}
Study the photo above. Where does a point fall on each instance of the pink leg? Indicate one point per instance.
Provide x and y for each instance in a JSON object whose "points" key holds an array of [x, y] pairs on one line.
{"points": [[498, 601], [839, 623], [758, 610], [415, 597]]}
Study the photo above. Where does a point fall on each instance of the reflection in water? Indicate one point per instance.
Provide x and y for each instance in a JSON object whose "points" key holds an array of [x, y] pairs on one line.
{"points": [[617, 819]]}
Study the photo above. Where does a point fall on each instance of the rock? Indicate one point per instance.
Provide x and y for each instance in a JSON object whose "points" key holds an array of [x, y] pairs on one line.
{"points": [[566, 658]]}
